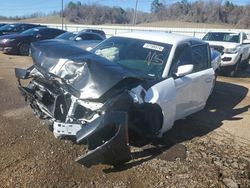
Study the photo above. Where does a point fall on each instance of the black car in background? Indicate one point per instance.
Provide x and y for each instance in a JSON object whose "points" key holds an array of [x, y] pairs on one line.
{"points": [[72, 35], [16, 28], [67, 35], [100, 32], [2, 24], [81, 39], [20, 43]]}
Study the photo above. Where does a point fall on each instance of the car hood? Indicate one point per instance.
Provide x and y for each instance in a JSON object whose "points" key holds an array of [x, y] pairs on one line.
{"points": [[224, 44], [87, 75]]}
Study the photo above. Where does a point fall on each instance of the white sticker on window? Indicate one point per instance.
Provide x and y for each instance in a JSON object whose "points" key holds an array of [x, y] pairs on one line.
{"points": [[233, 34], [153, 47]]}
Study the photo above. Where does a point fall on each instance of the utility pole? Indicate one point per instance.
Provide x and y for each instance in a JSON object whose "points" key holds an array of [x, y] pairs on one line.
{"points": [[135, 12], [62, 14]]}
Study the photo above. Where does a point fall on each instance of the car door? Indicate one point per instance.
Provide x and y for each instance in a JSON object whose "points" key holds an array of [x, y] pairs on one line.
{"points": [[192, 90]]}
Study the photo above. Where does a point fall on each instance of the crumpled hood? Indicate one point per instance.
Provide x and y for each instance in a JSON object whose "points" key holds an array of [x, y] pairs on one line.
{"points": [[58, 40], [89, 75], [84, 44]]}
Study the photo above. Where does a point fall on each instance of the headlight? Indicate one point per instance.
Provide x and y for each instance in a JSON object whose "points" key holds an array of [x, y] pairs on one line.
{"points": [[70, 70], [7, 40], [231, 50]]}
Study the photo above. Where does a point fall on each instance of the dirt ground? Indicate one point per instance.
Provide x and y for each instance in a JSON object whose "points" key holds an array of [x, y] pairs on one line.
{"points": [[208, 149]]}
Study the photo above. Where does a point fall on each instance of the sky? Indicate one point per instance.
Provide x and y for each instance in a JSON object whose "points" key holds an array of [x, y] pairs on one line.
{"points": [[26, 7]]}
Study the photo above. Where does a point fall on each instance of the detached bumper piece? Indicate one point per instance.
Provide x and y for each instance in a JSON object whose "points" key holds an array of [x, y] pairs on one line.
{"points": [[107, 139], [22, 73]]}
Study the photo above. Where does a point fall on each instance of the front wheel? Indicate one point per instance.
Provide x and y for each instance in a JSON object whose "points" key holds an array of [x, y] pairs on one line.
{"points": [[245, 63], [235, 68], [24, 49], [214, 82]]}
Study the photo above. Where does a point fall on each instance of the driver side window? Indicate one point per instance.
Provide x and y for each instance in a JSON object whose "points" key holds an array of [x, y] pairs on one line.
{"points": [[183, 56], [197, 55]]}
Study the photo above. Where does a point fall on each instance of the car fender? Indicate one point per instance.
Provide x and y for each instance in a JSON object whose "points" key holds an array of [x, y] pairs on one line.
{"points": [[164, 94]]}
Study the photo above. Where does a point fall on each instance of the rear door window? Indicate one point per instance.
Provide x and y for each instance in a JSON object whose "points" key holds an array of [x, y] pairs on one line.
{"points": [[198, 55]]}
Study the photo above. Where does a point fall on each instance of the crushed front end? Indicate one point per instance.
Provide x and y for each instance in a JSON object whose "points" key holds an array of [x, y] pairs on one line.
{"points": [[77, 98], [103, 126]]}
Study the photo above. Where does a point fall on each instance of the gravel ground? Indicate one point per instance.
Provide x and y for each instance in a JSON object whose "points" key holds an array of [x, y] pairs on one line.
{"points": [[208, 149]]}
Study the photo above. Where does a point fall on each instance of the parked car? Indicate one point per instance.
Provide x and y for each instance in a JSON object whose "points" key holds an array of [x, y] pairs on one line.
{"points": [[100, 32], [2, 24], [16, 28], [234, 48], [20, 43], [216, 60], [129, 87], [67, 35], [82, 39]]}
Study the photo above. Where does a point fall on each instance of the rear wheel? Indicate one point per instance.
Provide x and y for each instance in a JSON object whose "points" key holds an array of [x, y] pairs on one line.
{"points": [[214, 82], [245, 63], [24, 49], [235, 68]]}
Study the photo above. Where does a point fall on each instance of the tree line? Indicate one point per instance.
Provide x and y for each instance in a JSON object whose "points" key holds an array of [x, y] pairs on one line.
{"points": [[209, 11], [199, 11]]}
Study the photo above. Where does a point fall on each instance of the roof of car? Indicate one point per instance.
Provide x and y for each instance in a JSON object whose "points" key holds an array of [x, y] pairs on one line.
{"points": [[163, 37]]}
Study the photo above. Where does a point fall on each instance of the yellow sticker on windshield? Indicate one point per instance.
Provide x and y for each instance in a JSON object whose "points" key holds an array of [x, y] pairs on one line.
{"points": [[153, 47]]}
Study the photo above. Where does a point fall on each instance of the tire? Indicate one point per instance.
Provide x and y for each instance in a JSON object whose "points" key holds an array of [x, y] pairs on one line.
{"points": [[215, 75], [48, 123], [245, 63], [24, 49], [212, 90], [235, 68]]}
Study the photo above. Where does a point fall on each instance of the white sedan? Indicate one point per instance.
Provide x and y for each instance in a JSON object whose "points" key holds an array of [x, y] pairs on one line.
{"points": [[131, 86]]}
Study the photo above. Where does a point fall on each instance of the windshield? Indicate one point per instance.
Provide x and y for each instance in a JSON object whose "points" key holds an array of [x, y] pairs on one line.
{"points": [[224, 37], [148, 57], [66, 36], [32, 31], [8, 27]]}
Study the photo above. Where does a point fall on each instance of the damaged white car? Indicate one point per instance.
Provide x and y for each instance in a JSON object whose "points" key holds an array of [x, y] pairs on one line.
{"points": [[131, 86]]}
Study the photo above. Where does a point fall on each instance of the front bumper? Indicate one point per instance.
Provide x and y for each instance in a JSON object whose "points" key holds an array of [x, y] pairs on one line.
{"points": [[229, 59], [7, 49]]}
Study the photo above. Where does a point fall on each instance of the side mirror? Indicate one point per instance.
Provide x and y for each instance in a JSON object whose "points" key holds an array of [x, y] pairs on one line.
{"points": [[78, 38], [246, 41], [184, 70], [38, 36]]}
